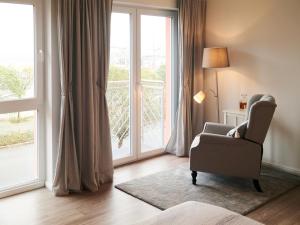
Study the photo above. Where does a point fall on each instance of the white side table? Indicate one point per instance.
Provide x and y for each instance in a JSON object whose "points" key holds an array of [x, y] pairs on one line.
{"points": [[234, 117]]}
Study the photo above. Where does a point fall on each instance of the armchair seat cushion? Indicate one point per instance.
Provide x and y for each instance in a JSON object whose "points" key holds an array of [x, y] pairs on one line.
{"points": [[216, 128]]}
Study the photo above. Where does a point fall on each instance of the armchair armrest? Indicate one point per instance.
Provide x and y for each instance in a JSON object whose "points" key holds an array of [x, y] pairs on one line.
{"points": [[216, 128]]}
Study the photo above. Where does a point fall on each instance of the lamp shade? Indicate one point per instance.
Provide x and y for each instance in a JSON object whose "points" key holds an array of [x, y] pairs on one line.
{"points": [[215, 57], [199, 97]]}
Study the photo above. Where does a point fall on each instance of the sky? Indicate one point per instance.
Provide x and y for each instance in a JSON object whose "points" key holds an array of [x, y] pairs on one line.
{"points": [[16, 34], [153, 33]]}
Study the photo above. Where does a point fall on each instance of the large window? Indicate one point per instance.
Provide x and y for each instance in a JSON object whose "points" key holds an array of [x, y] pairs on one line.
{"points": [[141, 81], [20, 96]]}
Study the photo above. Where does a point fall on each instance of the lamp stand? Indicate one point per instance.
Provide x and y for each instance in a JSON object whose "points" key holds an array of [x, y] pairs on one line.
{"points": [[216, 95]]}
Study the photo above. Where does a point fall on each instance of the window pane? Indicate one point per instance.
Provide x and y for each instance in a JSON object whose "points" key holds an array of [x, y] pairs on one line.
{"points": [[18, 155], [156, 81], [118, 88], [16, 51]]}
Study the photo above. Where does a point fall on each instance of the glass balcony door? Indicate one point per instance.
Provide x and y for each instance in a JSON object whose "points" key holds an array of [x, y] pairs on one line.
{"points": [[140, 92], [120, 94], [155, 80]]}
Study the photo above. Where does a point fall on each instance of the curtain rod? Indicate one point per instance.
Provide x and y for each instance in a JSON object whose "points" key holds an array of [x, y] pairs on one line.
{"points": [[139, 5]]}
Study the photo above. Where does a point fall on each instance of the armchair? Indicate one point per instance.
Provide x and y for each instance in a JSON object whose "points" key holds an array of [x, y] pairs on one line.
{"points": [[214, 152]]}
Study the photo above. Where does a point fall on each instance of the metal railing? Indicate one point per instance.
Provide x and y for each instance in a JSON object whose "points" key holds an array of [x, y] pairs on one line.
{"points": [[118, 100]]}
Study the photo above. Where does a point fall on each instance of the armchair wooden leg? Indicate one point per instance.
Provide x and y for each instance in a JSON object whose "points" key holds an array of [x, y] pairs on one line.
{"points": [[257, 185], [194, 176]]}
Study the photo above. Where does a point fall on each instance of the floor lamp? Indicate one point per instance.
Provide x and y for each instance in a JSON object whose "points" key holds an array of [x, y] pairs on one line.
{"points": [[213, 58]]}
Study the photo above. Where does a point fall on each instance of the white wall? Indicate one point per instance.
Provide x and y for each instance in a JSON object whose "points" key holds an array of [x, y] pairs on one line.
{"points": [[263, 37]]}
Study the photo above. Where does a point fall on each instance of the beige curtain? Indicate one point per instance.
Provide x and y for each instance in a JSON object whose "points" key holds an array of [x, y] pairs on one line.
{"points": [[191, 43], [84, 155]]}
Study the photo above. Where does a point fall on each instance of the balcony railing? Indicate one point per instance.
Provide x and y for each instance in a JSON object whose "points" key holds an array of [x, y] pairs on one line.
{"points": [[152, 100], [152, 108]]}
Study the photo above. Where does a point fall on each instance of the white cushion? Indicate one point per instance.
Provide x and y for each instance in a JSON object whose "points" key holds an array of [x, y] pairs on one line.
{"points": [[239, 131], [196, 141]]}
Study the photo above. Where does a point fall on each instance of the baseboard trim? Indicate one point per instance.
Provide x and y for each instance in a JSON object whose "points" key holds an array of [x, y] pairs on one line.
{"points": [[283, 168], [21, 189]]}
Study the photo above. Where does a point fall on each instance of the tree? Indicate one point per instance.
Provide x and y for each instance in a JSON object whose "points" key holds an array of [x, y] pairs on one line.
{"points": [[16, 81], [161, 72], [117, 73]]}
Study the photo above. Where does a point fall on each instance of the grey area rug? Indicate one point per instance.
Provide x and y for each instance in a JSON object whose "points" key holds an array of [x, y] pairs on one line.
{"points": [[169, 188]]}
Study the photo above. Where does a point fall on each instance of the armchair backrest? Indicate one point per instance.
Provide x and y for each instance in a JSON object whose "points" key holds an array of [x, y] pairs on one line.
{"points": [[260, 113]]}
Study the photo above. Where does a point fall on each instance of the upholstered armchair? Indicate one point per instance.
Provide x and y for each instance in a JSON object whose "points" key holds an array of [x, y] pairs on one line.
{"points": [[218, 150]]}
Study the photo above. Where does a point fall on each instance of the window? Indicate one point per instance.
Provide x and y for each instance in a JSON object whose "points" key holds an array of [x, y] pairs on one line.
{"points": [[156, 76], [119, 85], [141, 81], [20, 96]]}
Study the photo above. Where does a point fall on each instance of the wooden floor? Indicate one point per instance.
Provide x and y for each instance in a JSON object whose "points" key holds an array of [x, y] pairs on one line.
{"points": [[111, 206]]}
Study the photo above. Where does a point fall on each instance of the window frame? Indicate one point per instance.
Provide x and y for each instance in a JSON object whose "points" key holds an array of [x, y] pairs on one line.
{"points": [[35, 103]]}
